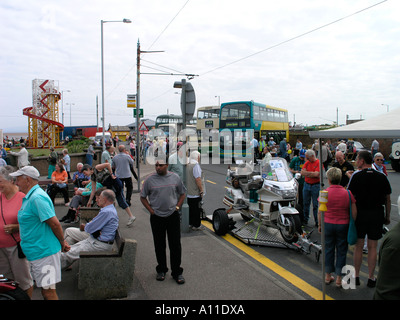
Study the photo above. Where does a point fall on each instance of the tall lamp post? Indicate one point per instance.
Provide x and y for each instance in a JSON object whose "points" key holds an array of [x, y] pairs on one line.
{"points": [[62, 109], [70, 112], [102, 76]]}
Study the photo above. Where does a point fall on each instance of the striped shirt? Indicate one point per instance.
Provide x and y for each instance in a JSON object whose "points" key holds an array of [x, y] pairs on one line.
{"points": [[163, 192]]}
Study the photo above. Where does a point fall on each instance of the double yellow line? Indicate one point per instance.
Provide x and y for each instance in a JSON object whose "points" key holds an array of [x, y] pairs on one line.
{"points": [[293, 279]]}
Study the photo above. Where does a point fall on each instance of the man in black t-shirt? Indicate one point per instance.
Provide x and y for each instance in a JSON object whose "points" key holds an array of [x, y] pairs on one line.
{"points": [[371, 190], [345, 166]]}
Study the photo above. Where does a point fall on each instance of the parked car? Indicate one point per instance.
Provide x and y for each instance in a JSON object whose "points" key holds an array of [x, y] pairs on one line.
{"points": [[358, 146]]}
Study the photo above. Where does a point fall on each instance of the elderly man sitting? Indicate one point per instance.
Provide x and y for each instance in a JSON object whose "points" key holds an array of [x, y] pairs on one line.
{"points": [[102, 230], [79, 179]]}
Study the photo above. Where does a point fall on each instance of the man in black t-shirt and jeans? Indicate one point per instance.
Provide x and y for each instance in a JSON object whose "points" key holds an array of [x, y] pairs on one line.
{"points": [[371, 190]]}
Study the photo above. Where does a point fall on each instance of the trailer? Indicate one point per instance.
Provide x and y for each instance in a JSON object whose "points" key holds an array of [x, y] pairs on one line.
{"points": [[74, 132]]}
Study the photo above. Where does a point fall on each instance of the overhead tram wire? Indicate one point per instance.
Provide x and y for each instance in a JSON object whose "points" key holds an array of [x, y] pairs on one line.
{"points": [[158, 37], [159, 65], [294, 38], [119, 82], [164, 73], [190, 76]]}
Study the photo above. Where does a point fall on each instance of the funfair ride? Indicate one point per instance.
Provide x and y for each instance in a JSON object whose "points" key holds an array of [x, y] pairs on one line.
{"points": [[43, 117]]}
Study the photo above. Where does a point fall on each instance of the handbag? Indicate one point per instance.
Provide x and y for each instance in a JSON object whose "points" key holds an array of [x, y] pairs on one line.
{"points": [[21, 254], [352, 232]]}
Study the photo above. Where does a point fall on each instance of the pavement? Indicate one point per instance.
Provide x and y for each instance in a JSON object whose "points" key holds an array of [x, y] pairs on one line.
{"points": [[213, 268]]}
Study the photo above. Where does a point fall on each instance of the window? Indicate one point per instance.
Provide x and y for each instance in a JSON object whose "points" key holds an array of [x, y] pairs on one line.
{"points": [[235, 111], [263, 114], [270, 115], [256, 113]]}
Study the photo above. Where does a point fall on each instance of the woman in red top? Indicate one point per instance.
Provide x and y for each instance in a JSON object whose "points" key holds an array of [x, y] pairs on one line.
{"points": [[310, 172], [11, 266], [336, 219], [59, 179]]}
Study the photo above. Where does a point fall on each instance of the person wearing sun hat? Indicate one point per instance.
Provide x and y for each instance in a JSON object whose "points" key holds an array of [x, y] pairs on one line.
{"points": [[42, 237]]}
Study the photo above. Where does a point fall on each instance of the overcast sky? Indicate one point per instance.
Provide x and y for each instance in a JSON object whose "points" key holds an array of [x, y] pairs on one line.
{"points": [[351, 65]]}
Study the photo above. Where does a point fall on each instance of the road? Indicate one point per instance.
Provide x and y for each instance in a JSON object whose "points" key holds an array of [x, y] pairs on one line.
{"points": [[295, 269]]}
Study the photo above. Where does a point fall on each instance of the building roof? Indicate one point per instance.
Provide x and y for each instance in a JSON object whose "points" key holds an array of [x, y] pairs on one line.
{"points": [[383, 126]]}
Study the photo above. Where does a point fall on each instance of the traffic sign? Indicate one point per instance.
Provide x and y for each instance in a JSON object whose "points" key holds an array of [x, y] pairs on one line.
{"points": [[131, 100], [140, 113]]}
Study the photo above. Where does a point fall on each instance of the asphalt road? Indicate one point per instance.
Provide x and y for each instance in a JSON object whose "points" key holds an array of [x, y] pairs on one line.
{"points": [[299, 270]]}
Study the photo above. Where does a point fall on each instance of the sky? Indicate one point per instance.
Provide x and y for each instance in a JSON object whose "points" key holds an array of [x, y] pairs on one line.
{"points": [[320, 60]]}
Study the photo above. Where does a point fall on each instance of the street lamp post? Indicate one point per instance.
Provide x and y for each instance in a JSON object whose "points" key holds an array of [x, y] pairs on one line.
{"points": [[219, 100], [62, 109], [102, 76], [70, 112]]}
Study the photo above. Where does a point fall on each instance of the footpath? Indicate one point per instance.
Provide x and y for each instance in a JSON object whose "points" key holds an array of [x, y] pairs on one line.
{"points": [[213, 269]]}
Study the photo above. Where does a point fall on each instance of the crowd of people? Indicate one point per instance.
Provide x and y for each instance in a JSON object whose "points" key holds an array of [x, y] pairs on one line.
{"points": [[32, 237], [361, 192]]}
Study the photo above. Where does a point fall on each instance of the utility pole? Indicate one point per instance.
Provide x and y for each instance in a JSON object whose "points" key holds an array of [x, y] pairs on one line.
{"points": [[138, 109], [137, 113], [337, 117], [97, 113]]}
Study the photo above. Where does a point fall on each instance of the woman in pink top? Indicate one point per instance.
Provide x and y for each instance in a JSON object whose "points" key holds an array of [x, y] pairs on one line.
{"points": [[11, 266], [336, 219]]}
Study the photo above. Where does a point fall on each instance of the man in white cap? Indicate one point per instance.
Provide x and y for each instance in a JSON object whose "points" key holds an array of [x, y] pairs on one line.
{"points": [[42, 238]]}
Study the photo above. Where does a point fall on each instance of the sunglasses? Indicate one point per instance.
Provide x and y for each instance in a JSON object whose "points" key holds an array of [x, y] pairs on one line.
{"points": [[378, 159]]}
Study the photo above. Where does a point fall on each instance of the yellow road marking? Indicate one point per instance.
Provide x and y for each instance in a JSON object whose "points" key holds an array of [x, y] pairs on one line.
{"points": [[293, 279], [211, 182]]}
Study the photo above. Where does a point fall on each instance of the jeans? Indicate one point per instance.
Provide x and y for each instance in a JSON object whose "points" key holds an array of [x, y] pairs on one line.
{"points": [[89, 159], [117, 187], [167, 226], [335, 242], [129, 188], [310, 192]]}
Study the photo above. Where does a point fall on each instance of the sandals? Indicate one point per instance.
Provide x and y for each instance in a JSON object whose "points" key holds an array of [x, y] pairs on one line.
{"points": [[179, 279], [338, 281], [160, 276], [330, 280]]}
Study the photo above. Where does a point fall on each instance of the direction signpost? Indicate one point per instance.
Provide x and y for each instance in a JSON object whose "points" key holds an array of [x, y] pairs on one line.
{"points": [[188, 106]]}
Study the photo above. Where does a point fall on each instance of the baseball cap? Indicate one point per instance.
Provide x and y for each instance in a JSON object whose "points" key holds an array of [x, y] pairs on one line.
{"points": [[302, 153], [27, 171]]}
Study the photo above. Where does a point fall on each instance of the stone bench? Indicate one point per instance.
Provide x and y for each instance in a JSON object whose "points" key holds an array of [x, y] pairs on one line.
{"points": [[86, 214], [44, 184], [108, 274]]}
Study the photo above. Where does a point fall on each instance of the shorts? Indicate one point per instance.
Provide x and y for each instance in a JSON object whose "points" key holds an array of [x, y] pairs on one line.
{"points": [[370, 223], [47, 271], [372, 230]]}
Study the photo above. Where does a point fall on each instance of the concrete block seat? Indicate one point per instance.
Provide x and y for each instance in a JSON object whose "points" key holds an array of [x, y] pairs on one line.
{"points": [[108, 274]]}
